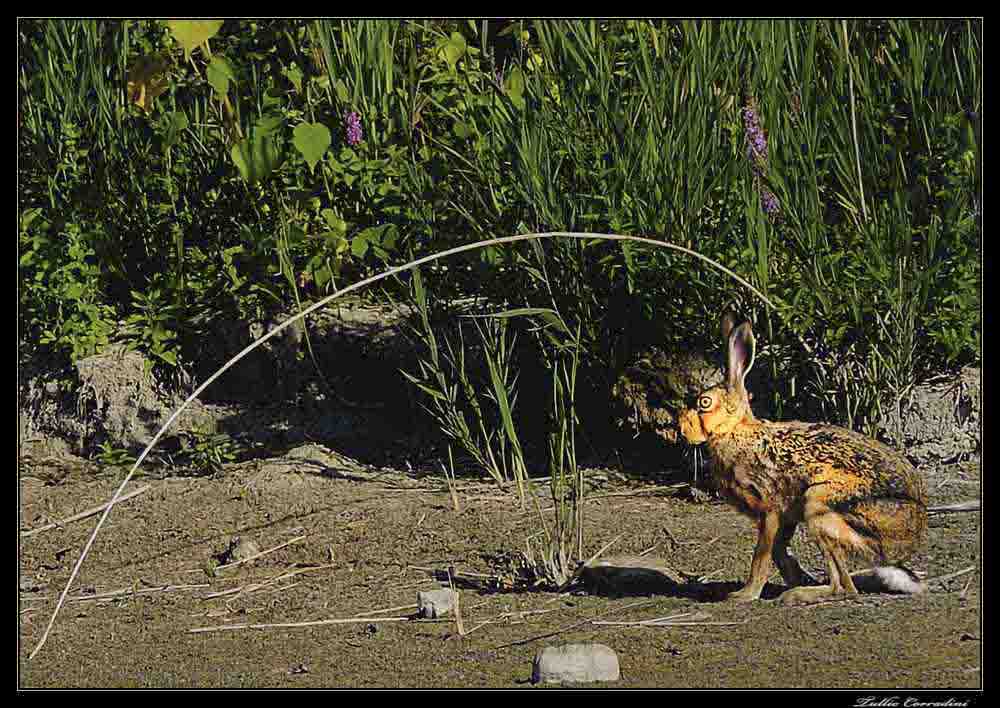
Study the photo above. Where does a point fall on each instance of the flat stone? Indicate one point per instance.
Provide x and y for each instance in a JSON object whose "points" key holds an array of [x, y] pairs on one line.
{"points": [[432, 604], [575, 663]]}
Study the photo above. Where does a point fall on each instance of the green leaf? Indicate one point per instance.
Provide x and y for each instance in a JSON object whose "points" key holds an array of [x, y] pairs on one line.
{"points": [[453, 49], [322, 276], [514, 86], [193, 33], [256, 157], [463, 130], [294, 74], [269, 124], [359, 246], [220, 73], [547, 314], [177, 122], [341, 90], [312, 140]]}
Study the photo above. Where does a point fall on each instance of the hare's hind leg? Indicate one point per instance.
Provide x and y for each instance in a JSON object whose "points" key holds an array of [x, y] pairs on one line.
{"points": [[834, 537]]}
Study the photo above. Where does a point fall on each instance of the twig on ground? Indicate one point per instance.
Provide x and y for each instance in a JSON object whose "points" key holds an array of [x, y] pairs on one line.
{"points": [[950, 576], [684, 619], [567, 628], [971, 505], [128, 592], [390, 609], [262, 553], [292, 625], [85, 514]]}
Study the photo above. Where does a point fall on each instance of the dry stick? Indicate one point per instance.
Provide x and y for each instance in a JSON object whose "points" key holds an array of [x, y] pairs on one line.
{"points": [[262, 553], [254, 587], [971, 505], [582, 236], [458, 612], [391, 609], [571, 626], [668, 618], [129, 592], [87, 513], [289, 625], [950, 576], [504, 616]]}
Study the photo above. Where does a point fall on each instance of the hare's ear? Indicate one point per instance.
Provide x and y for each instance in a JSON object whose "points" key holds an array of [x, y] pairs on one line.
{"points": [[727, 324], [740, 355]]}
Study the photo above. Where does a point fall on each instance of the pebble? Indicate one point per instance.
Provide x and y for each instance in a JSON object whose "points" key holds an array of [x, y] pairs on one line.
{"points": [[575, 663], [433, 604]]}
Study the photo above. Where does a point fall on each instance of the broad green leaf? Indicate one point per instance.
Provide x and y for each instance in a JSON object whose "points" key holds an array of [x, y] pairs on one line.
{"points": [[220, 73], [514, 86], [359, 246], [312, 140], [193, 33], [453, 49], [322, 276], [341, 90], [294, 74], [269, 123], [177, 122], [256, 157]]}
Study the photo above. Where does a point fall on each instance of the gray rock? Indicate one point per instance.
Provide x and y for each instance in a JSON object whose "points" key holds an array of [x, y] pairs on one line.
{"points": [[575, 663], [432, 604], [240, 549]]}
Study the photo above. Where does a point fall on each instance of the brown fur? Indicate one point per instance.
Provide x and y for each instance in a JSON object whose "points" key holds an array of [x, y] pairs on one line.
{"points": [[855, 495]]}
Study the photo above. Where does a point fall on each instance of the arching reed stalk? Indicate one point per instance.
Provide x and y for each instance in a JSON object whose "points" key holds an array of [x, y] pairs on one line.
{"points": [[329, 298]]}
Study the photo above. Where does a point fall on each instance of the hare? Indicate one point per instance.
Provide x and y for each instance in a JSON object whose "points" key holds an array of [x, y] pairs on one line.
{"points": [[854, 494]]}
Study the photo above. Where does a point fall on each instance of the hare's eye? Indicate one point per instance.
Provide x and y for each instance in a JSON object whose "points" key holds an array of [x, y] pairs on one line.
{"points": [[704, 402]]}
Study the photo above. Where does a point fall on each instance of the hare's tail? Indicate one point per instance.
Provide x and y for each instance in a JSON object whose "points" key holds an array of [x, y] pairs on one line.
{"points": [[889, 578]]}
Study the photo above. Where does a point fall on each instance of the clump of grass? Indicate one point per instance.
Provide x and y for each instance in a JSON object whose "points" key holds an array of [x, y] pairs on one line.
{"points": [[491, 440]]}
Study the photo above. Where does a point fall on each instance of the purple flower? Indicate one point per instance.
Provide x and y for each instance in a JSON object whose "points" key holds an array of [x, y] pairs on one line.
{"points": [[757, 157], [768, 201], [352, 123], [756, 140]]}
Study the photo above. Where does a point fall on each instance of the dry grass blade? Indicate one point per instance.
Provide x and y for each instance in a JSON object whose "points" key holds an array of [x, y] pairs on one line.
{"points": [[254, 587], [129, 592], [971, 505], [86, 514], [293, 625], [567, 628], [951, 576], [262, 553]]}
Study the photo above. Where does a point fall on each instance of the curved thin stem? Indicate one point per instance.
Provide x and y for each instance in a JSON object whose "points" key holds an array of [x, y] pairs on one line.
{"points": [[329, 298]]}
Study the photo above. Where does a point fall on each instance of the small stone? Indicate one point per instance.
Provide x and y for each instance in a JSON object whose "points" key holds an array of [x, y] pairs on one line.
{"points": [[575, 663], [435, 603], [240, 549]]}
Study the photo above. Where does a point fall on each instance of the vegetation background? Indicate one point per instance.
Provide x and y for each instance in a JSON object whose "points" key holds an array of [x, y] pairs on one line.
{"points": [[174, 175]]}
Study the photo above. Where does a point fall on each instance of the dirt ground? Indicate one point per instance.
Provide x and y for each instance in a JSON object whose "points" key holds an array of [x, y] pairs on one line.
{"points": [[365, 541]]}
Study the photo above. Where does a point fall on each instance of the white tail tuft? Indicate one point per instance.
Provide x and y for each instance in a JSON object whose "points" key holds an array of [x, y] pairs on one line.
{"points": [[889, 578]]}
